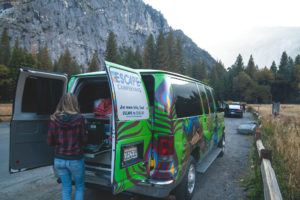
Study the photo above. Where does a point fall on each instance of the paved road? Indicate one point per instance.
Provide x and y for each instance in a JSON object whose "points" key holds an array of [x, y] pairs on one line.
{"points": [[221, 181]]}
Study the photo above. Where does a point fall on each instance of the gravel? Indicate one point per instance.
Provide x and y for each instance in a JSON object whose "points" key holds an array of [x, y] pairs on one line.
{"points": [[223, 179]]}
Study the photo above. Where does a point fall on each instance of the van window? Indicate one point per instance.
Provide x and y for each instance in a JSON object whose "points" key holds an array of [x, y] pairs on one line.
{"points": [[41, 95], [187, 98], [89, 90], [204, 98], [211, 100], [149, 85]]}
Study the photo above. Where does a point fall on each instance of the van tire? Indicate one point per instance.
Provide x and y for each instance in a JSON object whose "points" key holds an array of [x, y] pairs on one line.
{"points": [[186, 188], [221, 145]]}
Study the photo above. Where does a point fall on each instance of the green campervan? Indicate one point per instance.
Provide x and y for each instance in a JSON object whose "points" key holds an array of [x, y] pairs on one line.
{"points": [[163, 127]]}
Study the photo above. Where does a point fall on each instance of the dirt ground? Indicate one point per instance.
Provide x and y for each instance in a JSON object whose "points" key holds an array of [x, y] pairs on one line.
{"points": [[5, 112]]}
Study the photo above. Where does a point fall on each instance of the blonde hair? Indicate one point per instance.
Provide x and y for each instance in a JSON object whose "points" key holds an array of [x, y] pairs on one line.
{"points": [[67, 104]]}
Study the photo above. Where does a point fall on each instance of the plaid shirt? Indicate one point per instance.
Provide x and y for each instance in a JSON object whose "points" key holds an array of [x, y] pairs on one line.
{"points": [[68, 136]]}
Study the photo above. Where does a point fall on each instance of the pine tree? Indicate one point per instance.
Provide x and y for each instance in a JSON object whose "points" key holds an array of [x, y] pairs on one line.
{"points": [[283, 66], [199, 71], [29, 60], [171, 45], [162, 52], [66, 64], [238, 65], [273, 68], [251, 68], [4, 48], [217, 80], [178, 58], [5, 84], [149, 59], [111, 53], [138, 58], [43, 59], [128, 58], [297, 60], [94, 66], [16, 60]]}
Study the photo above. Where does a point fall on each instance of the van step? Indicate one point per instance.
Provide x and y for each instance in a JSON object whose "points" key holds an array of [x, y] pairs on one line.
{"points": [[204, 164]]}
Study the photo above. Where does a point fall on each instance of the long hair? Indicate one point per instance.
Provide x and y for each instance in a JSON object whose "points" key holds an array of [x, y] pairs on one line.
{"points": [[67, 104]]}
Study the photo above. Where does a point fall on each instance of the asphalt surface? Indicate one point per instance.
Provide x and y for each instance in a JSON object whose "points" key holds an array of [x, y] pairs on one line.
{"points": [[223, 179]]}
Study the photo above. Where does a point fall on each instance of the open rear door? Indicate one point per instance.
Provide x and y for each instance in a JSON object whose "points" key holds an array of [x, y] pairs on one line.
{"points": [[131, 128], [36, 98]]}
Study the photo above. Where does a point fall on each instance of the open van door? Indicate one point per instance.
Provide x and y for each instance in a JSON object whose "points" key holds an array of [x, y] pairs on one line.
{"points": [[37, 95], [131, 128]]}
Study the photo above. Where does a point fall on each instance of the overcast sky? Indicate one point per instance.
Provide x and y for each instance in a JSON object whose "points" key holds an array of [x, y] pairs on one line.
{"points": [[219, 25]]}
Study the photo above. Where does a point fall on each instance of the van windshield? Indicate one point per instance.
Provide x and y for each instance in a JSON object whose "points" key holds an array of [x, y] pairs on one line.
{"points": [[90, 91]]}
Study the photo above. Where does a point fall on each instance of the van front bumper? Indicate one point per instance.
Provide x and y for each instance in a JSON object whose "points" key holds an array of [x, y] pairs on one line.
{"points": [[154, 188]]}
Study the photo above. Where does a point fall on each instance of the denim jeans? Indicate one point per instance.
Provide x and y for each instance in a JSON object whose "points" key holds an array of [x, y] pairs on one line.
{"points": [[66, 169]]}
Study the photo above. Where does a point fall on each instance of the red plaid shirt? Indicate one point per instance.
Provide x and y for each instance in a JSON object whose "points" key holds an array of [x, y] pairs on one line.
{"points": [[68, 136]]}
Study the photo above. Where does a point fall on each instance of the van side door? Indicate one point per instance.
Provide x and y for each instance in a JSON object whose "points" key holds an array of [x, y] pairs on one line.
{"points": [[131, 128], [213, 114], [206, 116], [37, 95]]}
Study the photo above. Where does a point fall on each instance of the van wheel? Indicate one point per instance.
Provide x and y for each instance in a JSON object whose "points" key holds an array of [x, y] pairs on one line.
{"points": [[221, 145], [186, 189]]}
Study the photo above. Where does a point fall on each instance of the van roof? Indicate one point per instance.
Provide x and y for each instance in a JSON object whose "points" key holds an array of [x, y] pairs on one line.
{"points": [[145, 71]]}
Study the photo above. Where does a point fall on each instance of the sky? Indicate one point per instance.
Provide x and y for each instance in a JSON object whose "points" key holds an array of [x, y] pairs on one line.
{"points": [[225, 27]]}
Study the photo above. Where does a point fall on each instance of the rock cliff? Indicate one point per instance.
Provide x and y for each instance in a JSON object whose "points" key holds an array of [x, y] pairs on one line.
{"points": [[83, 26]]}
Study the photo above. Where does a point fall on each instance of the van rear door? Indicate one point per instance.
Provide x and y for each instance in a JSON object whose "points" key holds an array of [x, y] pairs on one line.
{"points": [[37, 95], [131, 128]]}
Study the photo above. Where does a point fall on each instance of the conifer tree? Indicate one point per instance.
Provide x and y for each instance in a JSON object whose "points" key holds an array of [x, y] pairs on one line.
{"points": [[94, 66], [111, 53], [199, 71], [4, 48], [138, 58], [129, 58], [5, 84], [178, 58], [162, 52], [251, 68], [29, 60], [43, 59], [66, 64], [283, 70], [171, 45], [217, 80], [273, 68], [149, 59], [297, 60], [16, 60], [238, 65]]}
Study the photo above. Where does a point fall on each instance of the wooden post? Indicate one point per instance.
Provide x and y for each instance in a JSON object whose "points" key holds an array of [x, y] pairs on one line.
{"points": [[271, 188]]}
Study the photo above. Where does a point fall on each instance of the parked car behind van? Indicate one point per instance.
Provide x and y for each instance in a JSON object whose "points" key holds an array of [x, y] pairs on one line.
{"points": [[234, 109], [163, 127]]}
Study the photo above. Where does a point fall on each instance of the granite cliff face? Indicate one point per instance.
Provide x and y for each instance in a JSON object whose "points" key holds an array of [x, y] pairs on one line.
{"points": [[83, 26]]}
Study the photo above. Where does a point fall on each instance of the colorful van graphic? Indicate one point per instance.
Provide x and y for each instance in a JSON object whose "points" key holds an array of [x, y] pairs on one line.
{"points": [[163, 127]]}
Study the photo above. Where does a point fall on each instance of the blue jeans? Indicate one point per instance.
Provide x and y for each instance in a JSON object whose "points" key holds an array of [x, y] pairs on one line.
{"points": [[66, 169]]}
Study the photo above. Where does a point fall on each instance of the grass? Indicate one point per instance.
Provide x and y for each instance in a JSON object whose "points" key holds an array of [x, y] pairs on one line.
{"points": [[281, 134], [5, 112], [253, 181]]}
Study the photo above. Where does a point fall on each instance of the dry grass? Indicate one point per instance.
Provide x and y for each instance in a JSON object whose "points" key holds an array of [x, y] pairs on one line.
{"points": [[5, 112], [282, 135]]}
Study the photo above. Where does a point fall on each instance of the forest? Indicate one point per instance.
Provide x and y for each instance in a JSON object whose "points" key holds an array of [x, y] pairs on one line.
{"points": [[279, 82]]}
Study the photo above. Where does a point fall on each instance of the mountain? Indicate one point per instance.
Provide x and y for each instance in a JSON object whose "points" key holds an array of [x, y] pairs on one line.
{"points": [[83, 26]]}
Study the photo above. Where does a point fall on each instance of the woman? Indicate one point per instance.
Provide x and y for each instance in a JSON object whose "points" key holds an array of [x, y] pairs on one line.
{"points": [[68, 136]]}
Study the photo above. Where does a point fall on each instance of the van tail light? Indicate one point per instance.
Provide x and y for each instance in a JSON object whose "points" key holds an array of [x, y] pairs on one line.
{"points": [[165, 145]]}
